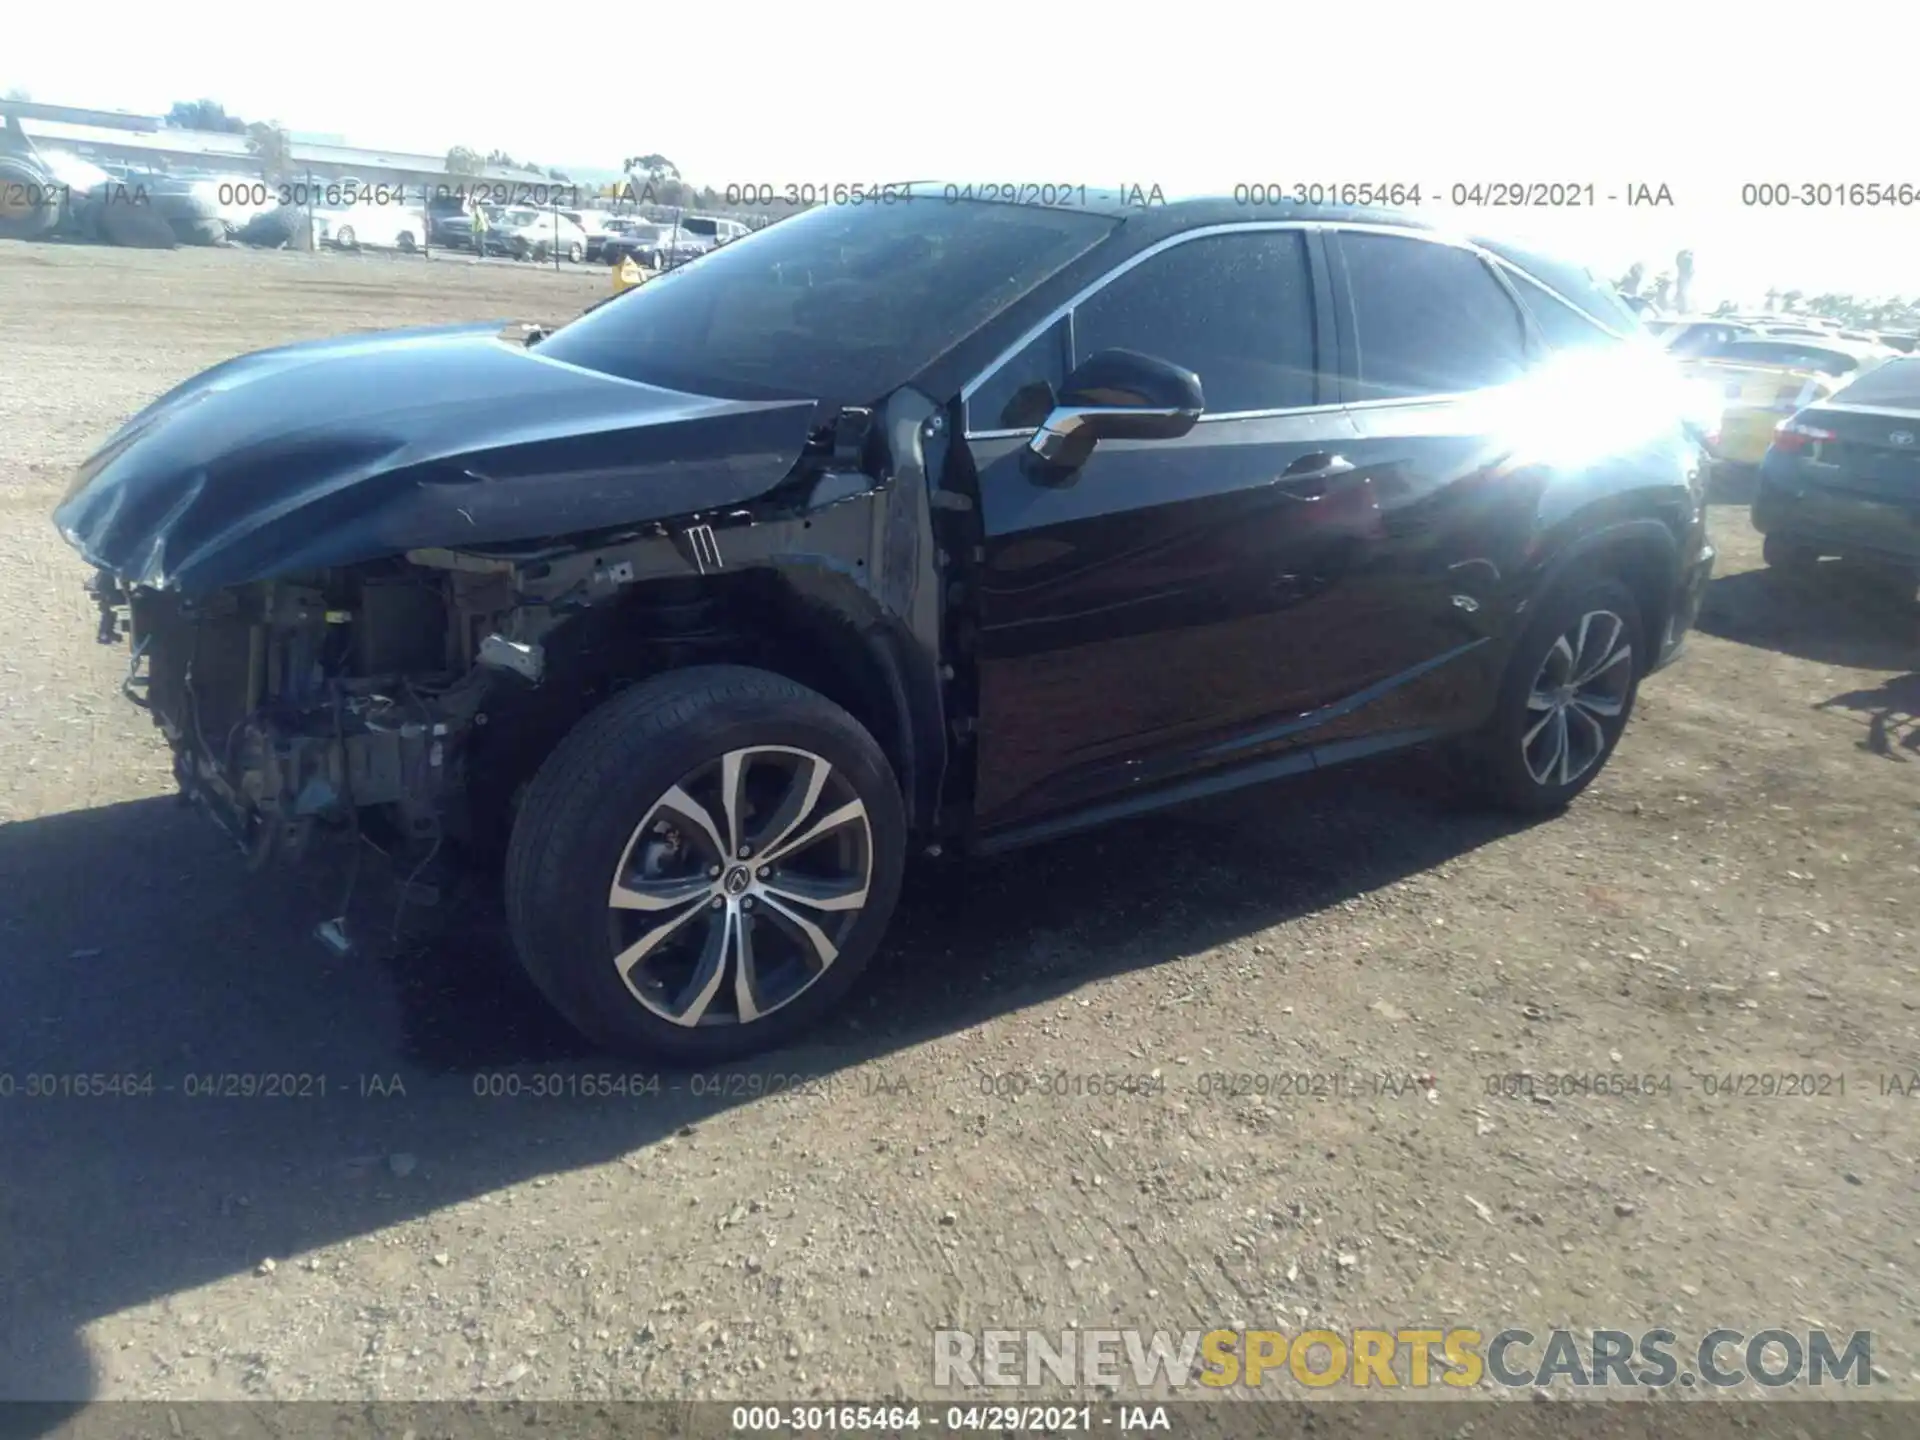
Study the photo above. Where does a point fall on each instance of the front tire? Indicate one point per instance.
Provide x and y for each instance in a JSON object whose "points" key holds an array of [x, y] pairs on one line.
{"points": [[1564, 701], [704, 866]]}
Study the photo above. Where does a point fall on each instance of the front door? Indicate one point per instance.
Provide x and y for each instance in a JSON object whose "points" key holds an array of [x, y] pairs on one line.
{"points": [[1172, 604]]}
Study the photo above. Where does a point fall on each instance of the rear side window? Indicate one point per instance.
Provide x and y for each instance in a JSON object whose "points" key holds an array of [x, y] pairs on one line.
{"points": [[1562, 326], [1428, 318], [1237, 310], [1895, 384]]}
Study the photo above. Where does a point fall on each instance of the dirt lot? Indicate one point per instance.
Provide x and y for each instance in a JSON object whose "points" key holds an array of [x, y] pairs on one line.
{"points": [[1739, 893]]}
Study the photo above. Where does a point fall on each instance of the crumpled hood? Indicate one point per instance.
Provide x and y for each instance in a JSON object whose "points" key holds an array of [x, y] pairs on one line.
{"points": [[337, 451]]}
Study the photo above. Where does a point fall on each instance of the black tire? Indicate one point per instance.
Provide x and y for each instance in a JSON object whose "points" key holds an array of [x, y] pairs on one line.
{"points": [[137, 227], [201, 232], [575, 254], [1496, 762], [579, 816], [1781, 553], [345, 239], [405, 243], [31, 201]]}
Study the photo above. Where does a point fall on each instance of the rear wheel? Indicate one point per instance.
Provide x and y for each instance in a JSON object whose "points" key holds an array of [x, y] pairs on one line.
{"points": [[705, 865], [345, 238], [1564, 701], [574, 253]]}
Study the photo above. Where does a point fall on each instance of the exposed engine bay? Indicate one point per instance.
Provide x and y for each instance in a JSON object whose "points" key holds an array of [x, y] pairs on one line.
{"points": [[404, 699], [296, 704]]}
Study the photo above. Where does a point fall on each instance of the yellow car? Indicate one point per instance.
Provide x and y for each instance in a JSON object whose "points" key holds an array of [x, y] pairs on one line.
{"points": [[1764, 380]]}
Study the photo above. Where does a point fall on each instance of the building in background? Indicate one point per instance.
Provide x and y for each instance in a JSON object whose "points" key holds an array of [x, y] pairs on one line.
{"points": [[113, 138]]}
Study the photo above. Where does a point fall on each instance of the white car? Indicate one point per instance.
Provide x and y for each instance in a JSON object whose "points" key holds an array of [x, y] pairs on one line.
{"points": [[529, 234], [370, 225]]}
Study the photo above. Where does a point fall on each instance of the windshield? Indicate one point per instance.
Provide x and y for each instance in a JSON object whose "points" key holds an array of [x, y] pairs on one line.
{"points": [[840, 304], [1894, 385]]}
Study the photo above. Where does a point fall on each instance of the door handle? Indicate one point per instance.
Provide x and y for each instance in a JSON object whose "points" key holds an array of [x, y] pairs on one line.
{"points": [[1307, 477]]}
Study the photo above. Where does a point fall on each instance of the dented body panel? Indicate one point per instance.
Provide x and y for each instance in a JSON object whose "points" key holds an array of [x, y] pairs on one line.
{"points": [[340, 451]]}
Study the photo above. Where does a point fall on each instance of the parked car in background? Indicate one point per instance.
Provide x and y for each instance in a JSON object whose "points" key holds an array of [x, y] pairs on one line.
{"points": [[692, 236], [1900, 340], [644, 241], [450, 221], [1842, 477], [529, 234], [1687, 337], [1766, 378], [235, 199], [369, 225], [901, 530], [592, 223]]}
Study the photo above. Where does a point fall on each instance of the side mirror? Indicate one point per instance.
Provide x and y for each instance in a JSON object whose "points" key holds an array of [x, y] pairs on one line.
{"points": [[1118, 395]]}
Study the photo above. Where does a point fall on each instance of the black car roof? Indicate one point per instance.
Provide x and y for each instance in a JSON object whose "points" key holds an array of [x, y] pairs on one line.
{"points": [[1150, 206], [1150, 217]]}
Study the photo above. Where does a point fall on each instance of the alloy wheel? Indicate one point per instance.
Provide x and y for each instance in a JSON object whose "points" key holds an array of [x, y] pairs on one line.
{"points": [[1581, 687], [736, 891]]}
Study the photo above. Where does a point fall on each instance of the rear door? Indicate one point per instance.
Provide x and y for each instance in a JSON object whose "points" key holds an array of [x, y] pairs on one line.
{"points": [[1428, 332]]}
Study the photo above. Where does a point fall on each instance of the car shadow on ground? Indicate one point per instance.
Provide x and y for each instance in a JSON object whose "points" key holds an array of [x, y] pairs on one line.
{"points": [[132, 945], [1893, 715], [1833, 613]]}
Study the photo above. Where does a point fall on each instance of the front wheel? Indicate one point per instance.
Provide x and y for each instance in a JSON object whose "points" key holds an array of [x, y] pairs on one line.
{"points": [[575, 254], [1564, 701], [705, 865], [344, 238]]}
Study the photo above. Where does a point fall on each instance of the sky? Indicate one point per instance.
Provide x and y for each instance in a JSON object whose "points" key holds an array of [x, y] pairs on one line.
{"points": [[1198, 96]]}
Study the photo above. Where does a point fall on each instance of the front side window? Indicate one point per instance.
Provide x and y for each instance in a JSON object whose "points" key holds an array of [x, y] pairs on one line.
{"points": [[1236, 309], [1019, 394], [1428, 318]]}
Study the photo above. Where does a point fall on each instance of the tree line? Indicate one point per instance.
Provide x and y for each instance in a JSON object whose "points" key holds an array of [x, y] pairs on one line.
{"points": [[1672, 290]]}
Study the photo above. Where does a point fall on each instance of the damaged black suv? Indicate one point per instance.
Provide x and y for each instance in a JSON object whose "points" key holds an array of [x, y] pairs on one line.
{"points": [[887, 530]]}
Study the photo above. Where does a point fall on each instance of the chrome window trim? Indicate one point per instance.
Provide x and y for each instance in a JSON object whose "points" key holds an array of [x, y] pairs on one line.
{"points": [[1545, 289], [1094, 287], [1203, 420], [1432, 237]]}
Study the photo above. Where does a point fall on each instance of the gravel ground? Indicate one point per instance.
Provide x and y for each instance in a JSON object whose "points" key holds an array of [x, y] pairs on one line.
{"points": [[1737, 893]]}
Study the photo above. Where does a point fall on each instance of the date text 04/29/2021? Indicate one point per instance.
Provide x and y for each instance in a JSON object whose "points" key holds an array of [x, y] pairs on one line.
{"points": [[986, 1419]]}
